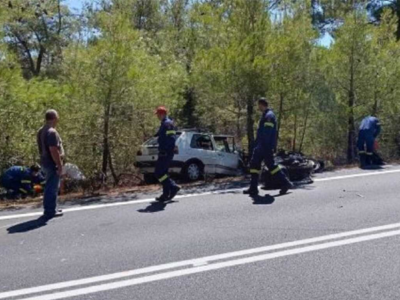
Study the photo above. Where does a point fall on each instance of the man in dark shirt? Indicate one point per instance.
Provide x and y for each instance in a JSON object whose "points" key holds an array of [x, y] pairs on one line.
{"points": [[51, 155]]}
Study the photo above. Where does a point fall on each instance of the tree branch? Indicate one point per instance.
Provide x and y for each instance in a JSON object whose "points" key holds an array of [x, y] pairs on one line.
{"points": [[59, 17], [28, 52]]}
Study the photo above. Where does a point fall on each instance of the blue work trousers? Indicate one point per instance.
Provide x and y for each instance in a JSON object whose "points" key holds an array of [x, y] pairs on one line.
{"points": [[365, 143], [161, 172], [261, 154]]}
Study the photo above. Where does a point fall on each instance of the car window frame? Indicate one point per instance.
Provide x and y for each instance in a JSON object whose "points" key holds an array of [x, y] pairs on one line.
{"points": [[197, 148]]}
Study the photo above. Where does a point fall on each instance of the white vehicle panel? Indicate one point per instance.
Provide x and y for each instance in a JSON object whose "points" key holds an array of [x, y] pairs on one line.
{"points": [[217, 156]]}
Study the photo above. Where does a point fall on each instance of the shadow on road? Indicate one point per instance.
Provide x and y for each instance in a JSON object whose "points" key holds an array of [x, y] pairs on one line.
{"points": [[156, 207], [263, 200], [28, 226], [373, 167]]}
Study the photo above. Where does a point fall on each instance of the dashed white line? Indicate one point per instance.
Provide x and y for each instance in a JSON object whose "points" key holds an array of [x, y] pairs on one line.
{"points": [[203, 261], [216, 266]]}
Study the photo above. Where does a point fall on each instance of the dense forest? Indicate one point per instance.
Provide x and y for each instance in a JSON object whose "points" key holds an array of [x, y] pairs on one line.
{"points": [[107, 67]]}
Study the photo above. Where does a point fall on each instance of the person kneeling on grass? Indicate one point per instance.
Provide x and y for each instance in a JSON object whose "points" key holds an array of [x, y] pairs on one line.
{"points": [[21, 181]]}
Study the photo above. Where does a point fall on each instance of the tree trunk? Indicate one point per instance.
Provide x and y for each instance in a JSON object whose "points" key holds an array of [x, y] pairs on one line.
{"points": [[314, 16], [39, 61], [239, 125], [250, 124], [280, 116], [351, 138], [188, 112], [294, 133], [114, 174], [398, 19], [106, 145], [351, 144], [305, 129], [376, 103]]}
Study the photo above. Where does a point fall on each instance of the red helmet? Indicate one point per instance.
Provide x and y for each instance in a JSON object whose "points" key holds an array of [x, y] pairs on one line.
{"points": [[161, 110]]}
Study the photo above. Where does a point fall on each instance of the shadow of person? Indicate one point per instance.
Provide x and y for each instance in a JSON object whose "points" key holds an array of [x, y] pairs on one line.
{"points": [[263, 200], [373, 167], [28, 226], [155, 207]]}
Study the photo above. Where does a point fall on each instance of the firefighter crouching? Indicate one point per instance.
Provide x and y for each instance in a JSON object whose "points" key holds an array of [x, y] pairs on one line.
{"points": [[370, 128], [264, 151], [22, 181]]}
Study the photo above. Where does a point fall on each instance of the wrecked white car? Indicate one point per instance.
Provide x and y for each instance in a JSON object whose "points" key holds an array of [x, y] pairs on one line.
{"points": [[197, 154]]}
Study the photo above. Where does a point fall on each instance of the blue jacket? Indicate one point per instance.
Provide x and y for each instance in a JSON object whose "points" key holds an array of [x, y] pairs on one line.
{"points": [[371, 126], [267, 131], [22, 178], [166, 136]]}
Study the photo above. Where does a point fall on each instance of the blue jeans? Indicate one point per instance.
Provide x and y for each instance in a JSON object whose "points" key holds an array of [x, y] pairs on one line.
{"points": [[51, 190]]}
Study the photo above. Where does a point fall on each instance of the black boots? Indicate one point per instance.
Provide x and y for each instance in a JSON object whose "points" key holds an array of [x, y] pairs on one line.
{"points": [[251, 192], [287, 185]]}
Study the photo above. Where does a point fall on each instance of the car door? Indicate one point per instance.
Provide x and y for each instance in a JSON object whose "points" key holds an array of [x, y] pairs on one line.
{"points": [[202, 148], [227, 157]]}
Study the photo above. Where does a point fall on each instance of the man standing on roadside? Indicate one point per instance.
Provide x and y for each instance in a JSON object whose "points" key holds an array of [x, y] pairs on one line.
{"points": [[264, 151], [166, 148], [51, 155]]}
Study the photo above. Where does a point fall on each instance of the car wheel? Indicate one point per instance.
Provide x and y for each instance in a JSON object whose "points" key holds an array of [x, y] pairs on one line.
{"points": [[193, 171]]}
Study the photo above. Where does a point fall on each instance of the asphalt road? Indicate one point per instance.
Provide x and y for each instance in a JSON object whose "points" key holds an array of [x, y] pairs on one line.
{"points": [[338, 238]]}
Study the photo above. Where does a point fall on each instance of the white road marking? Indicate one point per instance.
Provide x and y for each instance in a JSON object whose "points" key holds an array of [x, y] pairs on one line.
{"points": [[375, 173], [196, 262], [98, 206], [216, 266]]}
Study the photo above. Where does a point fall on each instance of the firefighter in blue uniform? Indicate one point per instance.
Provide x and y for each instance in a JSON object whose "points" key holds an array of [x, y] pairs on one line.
{"points": [[21, 180], [264, 151], [166, 148], [370, 128]]}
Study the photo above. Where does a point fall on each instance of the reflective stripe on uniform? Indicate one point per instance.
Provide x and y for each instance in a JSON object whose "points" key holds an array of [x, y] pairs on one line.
{"points": [[23, 191], [171, 132], [276, 170], [269, 124], [43, 183], [370, 153], [361, 152], [26, 181], [255, 171], [165, 177]]}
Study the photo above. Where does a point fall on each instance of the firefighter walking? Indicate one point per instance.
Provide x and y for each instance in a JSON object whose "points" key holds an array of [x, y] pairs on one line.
{"points": [[264, 151], [166, 147]]}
